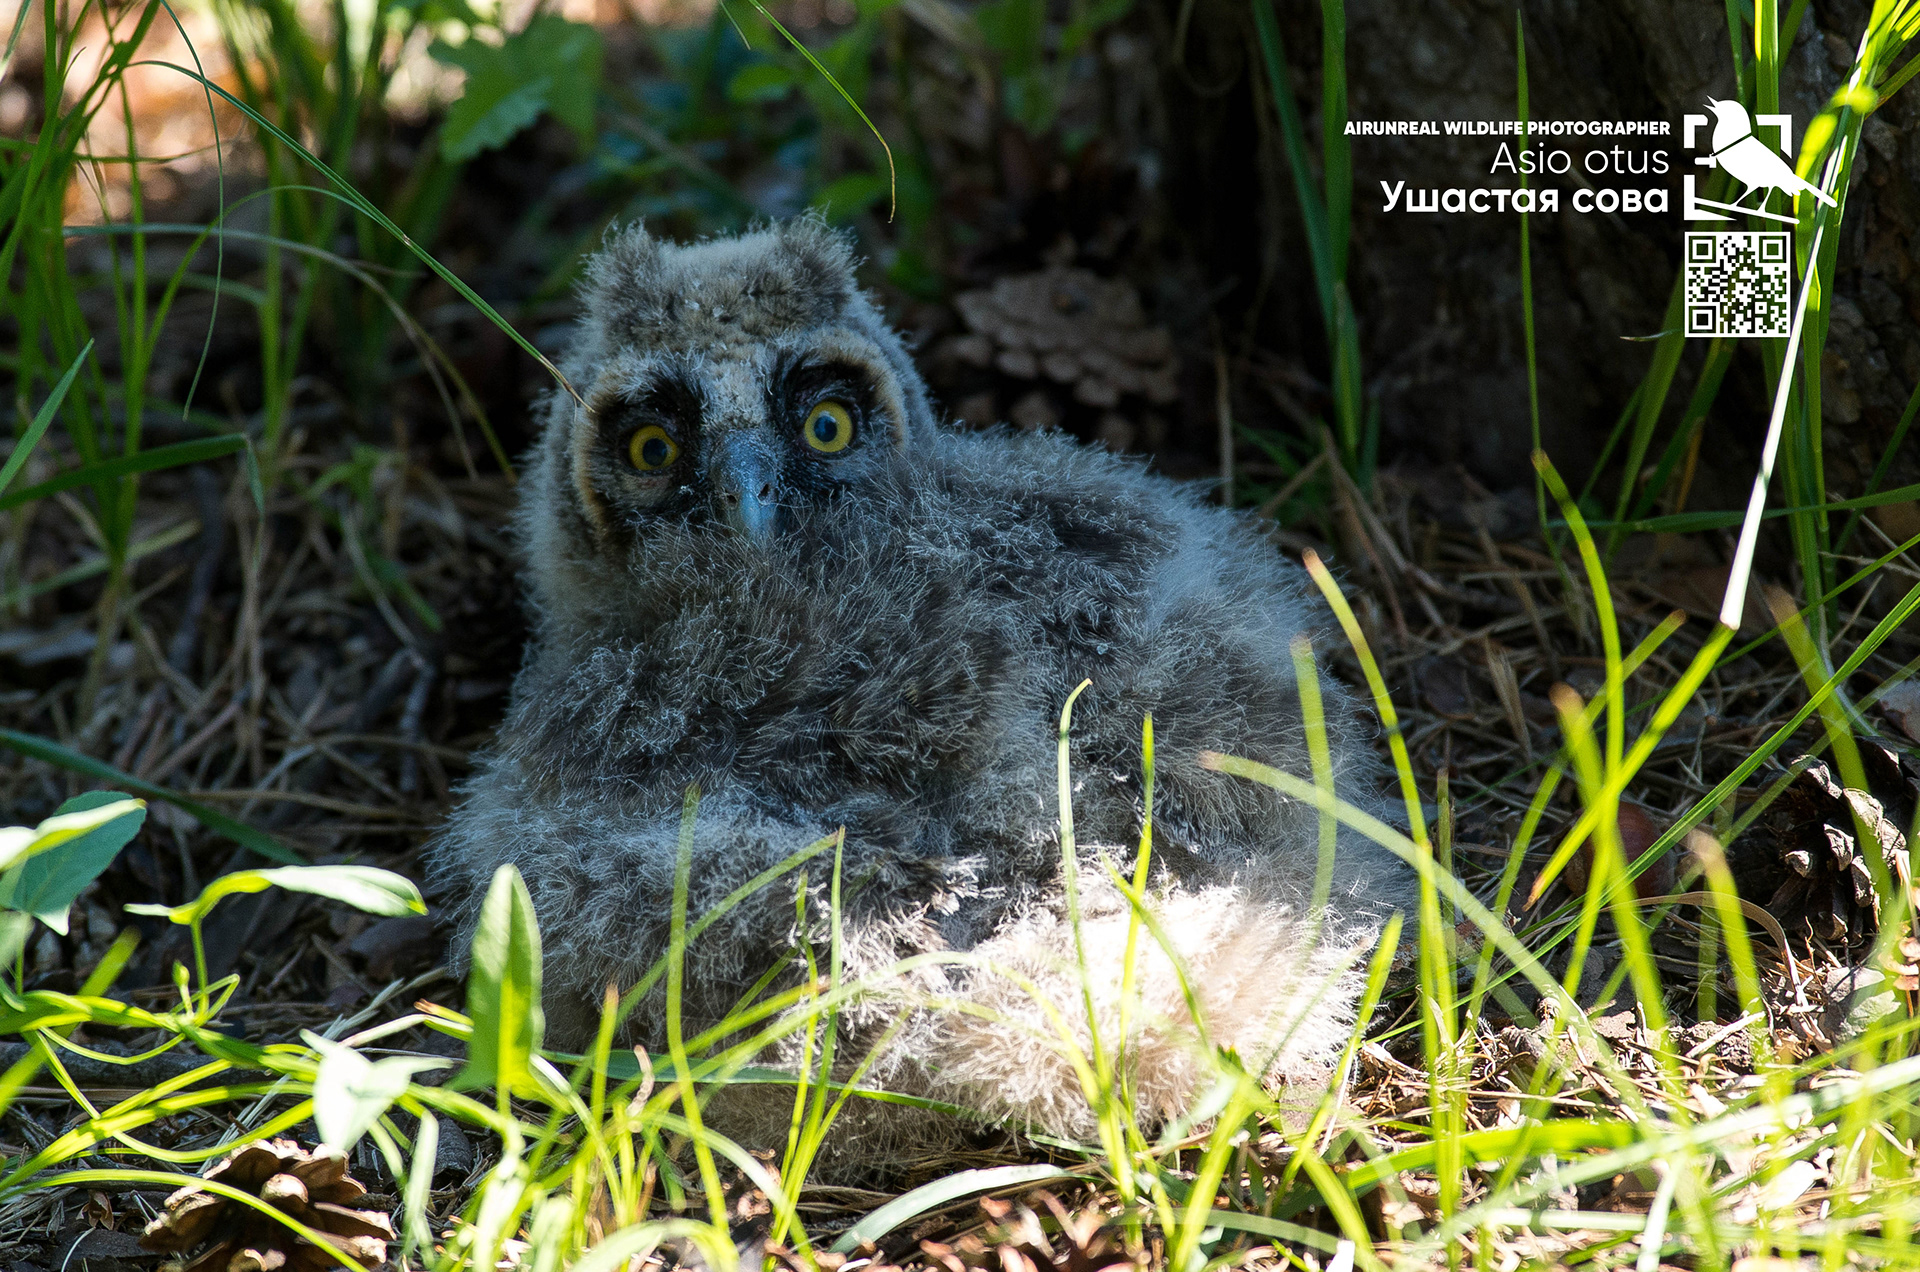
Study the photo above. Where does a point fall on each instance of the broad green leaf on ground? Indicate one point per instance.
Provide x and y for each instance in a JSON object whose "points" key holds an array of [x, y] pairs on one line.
{"points": [[67, 852], [350, 1092], [503, 989], [363, 887], [69, 822], [553, 65], [625, 1247]]}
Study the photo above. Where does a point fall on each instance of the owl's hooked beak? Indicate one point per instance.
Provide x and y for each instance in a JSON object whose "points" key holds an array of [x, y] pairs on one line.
{"points": [[746, 479]]}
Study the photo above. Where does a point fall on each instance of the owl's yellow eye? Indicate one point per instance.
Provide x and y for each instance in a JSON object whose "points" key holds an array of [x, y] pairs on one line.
{"points": [[829, 426], [651, 449]]}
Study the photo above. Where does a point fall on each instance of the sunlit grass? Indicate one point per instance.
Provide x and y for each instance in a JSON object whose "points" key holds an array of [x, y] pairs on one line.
{"points": [[606, 1156]]}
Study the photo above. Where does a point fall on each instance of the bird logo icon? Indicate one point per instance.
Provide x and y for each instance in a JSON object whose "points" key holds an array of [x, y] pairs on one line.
{"points": [[1751, 161]]}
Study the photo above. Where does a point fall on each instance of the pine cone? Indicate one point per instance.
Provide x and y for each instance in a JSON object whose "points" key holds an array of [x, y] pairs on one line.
{"points": [[1804, 856], [308, 1187], [1903, 964], [1072, 327]]}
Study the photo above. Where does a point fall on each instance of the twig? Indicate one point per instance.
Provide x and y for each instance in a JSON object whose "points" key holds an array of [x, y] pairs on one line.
{"points": [[1274, 501], [193, 745], [206, 570], [410, 721]]}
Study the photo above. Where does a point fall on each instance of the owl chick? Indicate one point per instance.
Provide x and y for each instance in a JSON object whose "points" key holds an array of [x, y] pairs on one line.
{"points": [[758, 564]]}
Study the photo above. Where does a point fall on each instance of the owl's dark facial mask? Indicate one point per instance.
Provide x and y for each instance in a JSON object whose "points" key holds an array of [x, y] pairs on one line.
{"points": [[735, 443]]}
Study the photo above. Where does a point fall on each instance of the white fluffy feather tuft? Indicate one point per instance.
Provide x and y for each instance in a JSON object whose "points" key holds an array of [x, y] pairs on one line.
{"points": [[1263, 983]]}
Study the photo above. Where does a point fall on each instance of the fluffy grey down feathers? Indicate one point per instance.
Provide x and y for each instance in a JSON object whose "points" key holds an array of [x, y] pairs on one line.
{"points": [[893, 661]]}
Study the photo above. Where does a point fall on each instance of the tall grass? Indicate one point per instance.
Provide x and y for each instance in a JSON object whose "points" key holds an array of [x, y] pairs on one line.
{"points": [[583, 1155], [1325, 203], [1827, 155], [605, 1156], [1326, 209], [104, 416]]}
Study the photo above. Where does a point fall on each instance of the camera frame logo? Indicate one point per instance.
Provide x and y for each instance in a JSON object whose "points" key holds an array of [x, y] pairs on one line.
{"points": [[1738, 150]]}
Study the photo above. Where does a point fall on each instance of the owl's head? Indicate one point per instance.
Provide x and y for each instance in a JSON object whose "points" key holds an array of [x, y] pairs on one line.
{"points": [[732, 384]]}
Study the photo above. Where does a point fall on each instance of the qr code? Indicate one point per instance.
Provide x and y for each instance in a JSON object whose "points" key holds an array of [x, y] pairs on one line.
{"points": [[1738, 283]]}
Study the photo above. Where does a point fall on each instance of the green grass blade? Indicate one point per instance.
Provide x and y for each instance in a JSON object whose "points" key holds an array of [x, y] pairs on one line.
{"points": [[1694, 522], [1839, 729], [676, 975], [43, 418], [177, 455], [1873, 483], [1896, 618], [1377, 685], [1652, 400], [361, 204], [1336, 158], [53, 753], [1293, 136], [893, 195], [1602, 606], [933, 1196], [1705, 391]]}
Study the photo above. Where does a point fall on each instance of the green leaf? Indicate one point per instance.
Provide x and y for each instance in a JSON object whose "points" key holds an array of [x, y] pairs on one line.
{"points": [[760, 83], [1081, 29], [1692, 522], [625, 1247], [426, 1150], [846, 46], [841, 200], [70, 821], [14, 931], [41, 420], [570, 52], [1029, 100], [178, 455], [53, 753], [1015, 29], [492, 110], [553, 65], [48, 878], [933, 1196], [915, 275], [351, 1092], [364, 888], [503, 989], [434, 13]]}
